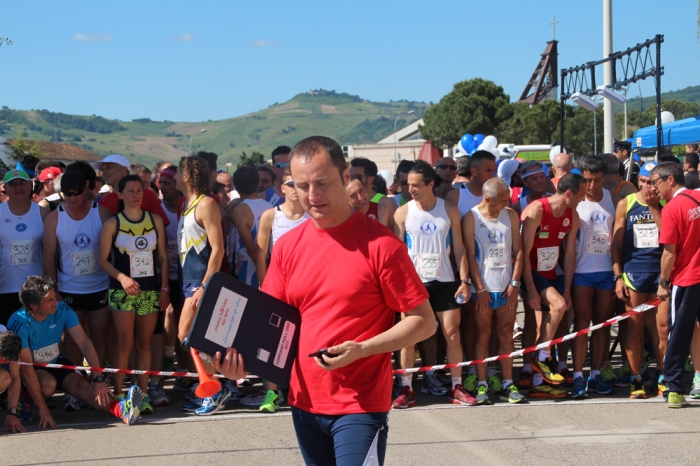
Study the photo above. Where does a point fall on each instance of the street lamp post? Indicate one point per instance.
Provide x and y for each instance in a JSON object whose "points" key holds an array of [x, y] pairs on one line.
{"points": [[228, 164], [201, 131], [396, 160]]}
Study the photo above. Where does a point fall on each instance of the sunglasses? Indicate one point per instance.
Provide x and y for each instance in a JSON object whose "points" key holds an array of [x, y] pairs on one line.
{"points": [[446, 167], [289, 183], [281, 165], [76, 192]]}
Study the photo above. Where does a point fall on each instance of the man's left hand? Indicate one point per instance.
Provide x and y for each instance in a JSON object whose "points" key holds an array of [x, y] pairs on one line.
{"points": [[102, 394], [347, 352]]}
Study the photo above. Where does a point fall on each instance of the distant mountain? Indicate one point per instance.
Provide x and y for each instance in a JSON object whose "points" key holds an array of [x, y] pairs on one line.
{"points": [[344, 117], [689, 94]]}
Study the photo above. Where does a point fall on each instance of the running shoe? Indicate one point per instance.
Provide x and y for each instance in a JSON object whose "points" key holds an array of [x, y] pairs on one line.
{"points": [[525, 380], [235, 392], [495, 384], [599, 386], [443, 378], [607, 373], [146, 407], [695, 392], [470, 383], [71, 403], [191, 395], [244, 382], [130, 406], [406, 399], [689, 365], [272, 401], [214, 404], [432, 386], [192, 405], [255, 399], [675, 400], [568, 376], [51, 403], [157, 394], [182, 384], [548, 370], [517, 332], [637, 390], [482, 395], [546, 391], [460, 396], [512, 395], [26, 407], [623, 377], [578, 389]]}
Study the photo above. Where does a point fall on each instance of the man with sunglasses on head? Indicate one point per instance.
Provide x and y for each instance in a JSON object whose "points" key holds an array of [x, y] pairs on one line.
{"points": [[71, 245], [622, 150], [380, 206], [446, 167], [280, 163]]}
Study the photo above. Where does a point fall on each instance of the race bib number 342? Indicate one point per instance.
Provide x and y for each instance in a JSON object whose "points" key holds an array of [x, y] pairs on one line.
{"points": [[141, 265]]}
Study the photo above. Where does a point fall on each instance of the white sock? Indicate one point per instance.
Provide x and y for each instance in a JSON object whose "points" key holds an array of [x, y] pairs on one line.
{"points": [[578, 374], [527, 367], [481, 382], [456, 381], [406, 380], [170, 351], [491, 371], [507, 383], [544, 354], [563, 365], [594, 373], [537, 379]]}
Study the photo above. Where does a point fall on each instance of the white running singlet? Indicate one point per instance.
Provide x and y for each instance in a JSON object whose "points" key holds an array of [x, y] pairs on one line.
{"points": [[595, 235], [467, 201], [171, 233], [21, 247], [429, 240], [282, 224], [245, 265], [78, 247], [494, 250]]}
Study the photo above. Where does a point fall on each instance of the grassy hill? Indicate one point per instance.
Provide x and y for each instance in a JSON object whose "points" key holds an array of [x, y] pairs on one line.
{"points": [[346, 118], [689, 94]]}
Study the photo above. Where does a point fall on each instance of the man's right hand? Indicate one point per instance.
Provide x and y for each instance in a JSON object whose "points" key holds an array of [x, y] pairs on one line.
{"points": [[46, 419], [622, 291], [13, 424], [533, 299]]}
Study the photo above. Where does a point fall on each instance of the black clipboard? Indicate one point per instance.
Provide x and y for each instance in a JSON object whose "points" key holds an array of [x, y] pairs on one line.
{"points": [[263, 329]]}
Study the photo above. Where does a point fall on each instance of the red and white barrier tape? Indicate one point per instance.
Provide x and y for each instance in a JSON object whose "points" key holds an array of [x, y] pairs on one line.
{"points": [[641, 308]]}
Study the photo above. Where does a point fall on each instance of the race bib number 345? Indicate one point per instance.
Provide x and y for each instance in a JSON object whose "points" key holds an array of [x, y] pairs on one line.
{"points": [[429, 266]]}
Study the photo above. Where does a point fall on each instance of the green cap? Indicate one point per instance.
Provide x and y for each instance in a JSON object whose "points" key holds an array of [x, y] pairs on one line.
{"points": [[15, 175]]}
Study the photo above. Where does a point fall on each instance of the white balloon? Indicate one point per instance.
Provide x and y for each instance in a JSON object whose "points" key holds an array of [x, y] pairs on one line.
{"points": [[483, 146], [496, 152], [490, 142], [667, 117], [554, 151]]}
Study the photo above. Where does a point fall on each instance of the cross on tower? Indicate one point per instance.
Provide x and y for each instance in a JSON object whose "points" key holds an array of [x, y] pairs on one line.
{"points": [[554, 27]]}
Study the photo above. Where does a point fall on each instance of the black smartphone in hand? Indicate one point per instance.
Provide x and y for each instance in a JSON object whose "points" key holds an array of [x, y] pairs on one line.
{"points": [[322, 352]]}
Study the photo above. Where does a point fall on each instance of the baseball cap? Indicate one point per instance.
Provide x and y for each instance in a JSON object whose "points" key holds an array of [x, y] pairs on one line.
{"points": [[647, 168], [168, 173], [623, 144], [506, 170], [72, 180], [50, 173], [26, 170], [114, 158], [15, 175]]}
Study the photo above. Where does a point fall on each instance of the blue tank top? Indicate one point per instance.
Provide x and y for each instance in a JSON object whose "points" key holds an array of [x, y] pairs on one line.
{"points": [[640, 232]]}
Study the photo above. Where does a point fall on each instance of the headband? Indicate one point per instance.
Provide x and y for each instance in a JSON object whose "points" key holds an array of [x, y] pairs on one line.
{"points": [[168, 174]]}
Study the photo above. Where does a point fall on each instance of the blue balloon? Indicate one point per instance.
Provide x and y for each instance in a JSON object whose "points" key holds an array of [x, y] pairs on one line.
{"points": [[478, 139], [467, 142]]}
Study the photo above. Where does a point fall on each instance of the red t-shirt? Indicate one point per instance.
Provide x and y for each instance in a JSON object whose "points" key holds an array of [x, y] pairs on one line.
{"points": [[680, 225], [150, 203], [348, 282], [549, 234]]}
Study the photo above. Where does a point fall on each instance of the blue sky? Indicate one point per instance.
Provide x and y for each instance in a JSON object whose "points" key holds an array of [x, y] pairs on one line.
{"points": [[194, 61]]}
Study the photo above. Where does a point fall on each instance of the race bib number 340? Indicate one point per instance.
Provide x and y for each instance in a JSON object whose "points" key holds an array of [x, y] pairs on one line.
{"points": [[46, 354], [598, 242], [429, 266]]}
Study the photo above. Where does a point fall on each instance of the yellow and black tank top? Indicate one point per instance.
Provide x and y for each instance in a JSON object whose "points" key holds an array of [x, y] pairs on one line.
{"points": [[135, 252]]}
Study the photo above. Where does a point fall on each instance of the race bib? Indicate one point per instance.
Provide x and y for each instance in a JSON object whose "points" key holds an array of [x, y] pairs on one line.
{"points": [[429, 266], [141, 264], [547, 258], [598, 242], [21, 252], [646, 235], [173, 255], [496, 256], [46, 354], [83, 262]]}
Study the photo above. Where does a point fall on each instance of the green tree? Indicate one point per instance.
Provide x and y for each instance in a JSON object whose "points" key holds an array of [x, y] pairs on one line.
{"points": [[21, 147], [537, 124], [473, 106], [255, 157]]}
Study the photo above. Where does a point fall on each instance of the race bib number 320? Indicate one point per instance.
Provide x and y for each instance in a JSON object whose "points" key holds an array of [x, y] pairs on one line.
{"points": [[429, 266], [547, 258], [141, 265], [21, 252]]}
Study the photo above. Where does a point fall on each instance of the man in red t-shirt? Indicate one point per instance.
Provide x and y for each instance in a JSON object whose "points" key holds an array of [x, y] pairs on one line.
{"points": [[115, 167], [680, 266], [348, 275]]}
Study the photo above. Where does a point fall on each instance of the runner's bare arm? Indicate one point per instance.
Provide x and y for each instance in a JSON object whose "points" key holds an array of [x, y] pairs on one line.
{"points": [[266, 221], [244, 220], [109, 230], [386, 212], [652, 201], [12, 422], [400, 221], [616, 247], [570, 256], [532, 217], [88, 349], [453, 197], [209, 217], [468, 235], [31, 381], [49, 257], [164, 296], [44, 212], [458, 249], [519, 260], [668, 258], [418, 325]]}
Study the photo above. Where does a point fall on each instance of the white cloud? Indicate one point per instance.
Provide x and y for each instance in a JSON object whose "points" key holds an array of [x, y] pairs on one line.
{"points": [[78, 37], [262, 43], [187, 37]]}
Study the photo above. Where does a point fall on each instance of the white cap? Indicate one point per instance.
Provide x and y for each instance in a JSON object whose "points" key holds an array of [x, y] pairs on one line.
{"points": [[387, 175], [114, 158]]}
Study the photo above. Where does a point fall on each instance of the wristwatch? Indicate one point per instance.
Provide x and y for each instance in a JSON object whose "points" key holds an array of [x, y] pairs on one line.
{"points": [[515, 283], [165, 288], [98, 379], [13, 411], [664, 283], [616, 278], [465, 281]]}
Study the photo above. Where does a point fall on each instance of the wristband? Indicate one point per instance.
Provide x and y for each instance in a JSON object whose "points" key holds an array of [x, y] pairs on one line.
{"points": [[13, 411], [165, 288], [481, 291], [98, 379]]}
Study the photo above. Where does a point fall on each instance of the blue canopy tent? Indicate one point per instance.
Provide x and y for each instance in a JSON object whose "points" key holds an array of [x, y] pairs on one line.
{"points": [[686, 131]]}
